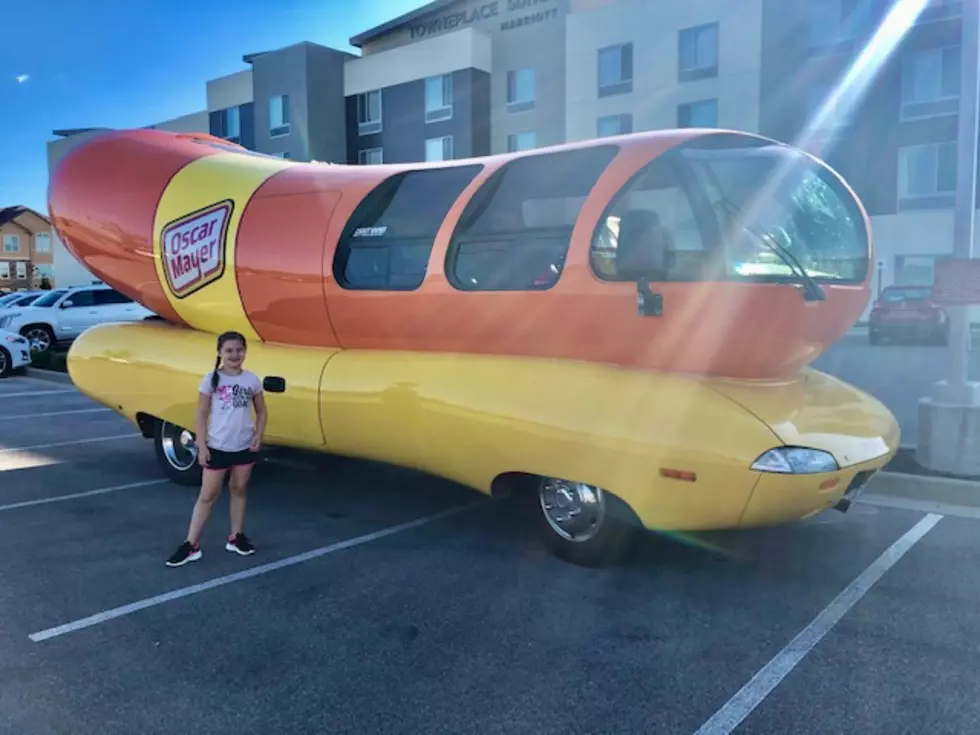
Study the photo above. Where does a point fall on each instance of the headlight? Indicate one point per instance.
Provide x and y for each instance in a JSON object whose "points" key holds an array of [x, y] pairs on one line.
{"points": [[796, 461]]}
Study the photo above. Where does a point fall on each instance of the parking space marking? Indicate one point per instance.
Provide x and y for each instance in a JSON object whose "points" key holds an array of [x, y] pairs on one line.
{"points": [[177, 594], [91, 440], [30, 393], [83, 494], [52, 413], [750, 696]]}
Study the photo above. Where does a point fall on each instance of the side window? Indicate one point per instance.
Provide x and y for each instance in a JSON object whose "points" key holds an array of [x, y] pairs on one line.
{"points": [[108, 297], [651, 228], [515, 231], [80, 299], [388, 240]]}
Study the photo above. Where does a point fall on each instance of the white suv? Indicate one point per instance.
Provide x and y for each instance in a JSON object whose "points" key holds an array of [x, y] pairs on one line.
{"points": [[60, 316]]}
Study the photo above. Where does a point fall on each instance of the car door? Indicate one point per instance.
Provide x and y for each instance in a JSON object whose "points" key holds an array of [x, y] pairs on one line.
{"points": [[113, 306], [76, 313]]}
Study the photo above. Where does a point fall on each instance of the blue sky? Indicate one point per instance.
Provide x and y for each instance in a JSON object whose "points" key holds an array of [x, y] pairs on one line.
{"points": [[130, 63]]}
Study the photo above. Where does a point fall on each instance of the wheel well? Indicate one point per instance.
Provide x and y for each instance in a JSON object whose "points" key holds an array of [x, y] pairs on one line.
{"points": [[36, 324], [523, 485], [147, 424]]}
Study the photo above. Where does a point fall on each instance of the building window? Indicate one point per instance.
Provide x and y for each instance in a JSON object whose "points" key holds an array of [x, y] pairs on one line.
{"points": [[370, 156], [927, 176], [832, 23], [521, 141], [369, 112], [439, 149], [21, 271], [11, 243], [439, 98], [42, 242], [5, 270], [388, 240], [279, 115], [914, 270], [697, 52], [931, 83], [231, 124], [700, 114], [614, 125], [515, 231], [616, 69], [940, 10], [520, 90]]}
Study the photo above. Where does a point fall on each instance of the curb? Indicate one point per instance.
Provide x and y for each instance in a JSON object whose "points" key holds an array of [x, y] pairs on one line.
{"points": [[948, 491], [49, 376]]}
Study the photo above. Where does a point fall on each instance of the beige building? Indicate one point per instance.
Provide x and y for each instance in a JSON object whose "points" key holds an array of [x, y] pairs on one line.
{"points": [[26, 260]]}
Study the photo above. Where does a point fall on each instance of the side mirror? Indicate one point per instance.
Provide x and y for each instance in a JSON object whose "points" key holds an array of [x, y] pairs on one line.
{"points": [[67, 304], [274, 384]]}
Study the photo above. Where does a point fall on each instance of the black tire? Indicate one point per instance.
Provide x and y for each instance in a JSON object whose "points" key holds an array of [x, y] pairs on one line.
{"points": [[874, 337], [608, 539], [6, 363], [180, 469]]}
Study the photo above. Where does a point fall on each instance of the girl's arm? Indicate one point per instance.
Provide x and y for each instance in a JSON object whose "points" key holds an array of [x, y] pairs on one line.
{"points": [[261, 415], [201, 419]]}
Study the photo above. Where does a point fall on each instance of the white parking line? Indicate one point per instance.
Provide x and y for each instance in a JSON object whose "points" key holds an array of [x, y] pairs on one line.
{"points": [[922, 506], [130, 435], [117, 612], [52, 413], [740, 706], [84, 494], [26, 394]]}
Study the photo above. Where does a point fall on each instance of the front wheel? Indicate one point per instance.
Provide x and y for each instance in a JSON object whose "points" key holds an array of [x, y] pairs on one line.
{"points": [[6, 363], [176, 452], [576, 524]]}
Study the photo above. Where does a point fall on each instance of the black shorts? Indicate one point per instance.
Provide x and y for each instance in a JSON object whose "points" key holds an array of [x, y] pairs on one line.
{"points": [[222, 460]]}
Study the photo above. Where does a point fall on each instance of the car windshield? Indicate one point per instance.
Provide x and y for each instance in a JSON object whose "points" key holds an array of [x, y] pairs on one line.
{"points": [[49, 298], [894, 295]]}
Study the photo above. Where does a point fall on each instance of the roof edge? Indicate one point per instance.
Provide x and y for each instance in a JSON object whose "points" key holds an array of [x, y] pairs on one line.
{"points": [[392, 25]]}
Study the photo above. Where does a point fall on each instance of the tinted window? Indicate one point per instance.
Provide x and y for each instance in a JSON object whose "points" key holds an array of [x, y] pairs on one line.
{"points": [[515, 231], [107, 296], [387, 243], [81, 298], [724, 205]]}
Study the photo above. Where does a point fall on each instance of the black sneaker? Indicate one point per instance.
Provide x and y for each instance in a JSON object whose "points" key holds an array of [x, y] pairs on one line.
{"points": [[240, 544], [185, 552]]}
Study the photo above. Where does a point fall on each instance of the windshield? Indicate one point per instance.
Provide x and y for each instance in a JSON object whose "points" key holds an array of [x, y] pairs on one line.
{"points": [[724, 213], [49, 298]]}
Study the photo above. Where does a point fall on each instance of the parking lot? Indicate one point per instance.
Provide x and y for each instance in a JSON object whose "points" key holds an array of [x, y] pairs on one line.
{"points": [[384, 602]]}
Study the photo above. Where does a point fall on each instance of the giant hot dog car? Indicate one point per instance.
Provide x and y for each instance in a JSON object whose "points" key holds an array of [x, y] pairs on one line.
{"points": [[619, 330]]}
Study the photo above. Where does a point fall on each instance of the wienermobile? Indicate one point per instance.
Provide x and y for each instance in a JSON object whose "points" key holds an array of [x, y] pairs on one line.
{"points": [[617, 330]]}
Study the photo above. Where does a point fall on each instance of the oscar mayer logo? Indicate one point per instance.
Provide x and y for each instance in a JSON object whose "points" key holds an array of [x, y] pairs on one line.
{"points": [[194, 248]]}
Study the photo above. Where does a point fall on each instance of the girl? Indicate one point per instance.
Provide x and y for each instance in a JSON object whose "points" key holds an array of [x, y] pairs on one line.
{"points": [[227, 439]]}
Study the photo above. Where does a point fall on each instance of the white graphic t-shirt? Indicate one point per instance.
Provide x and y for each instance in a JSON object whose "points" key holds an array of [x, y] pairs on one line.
{"points": [[231, 425]]}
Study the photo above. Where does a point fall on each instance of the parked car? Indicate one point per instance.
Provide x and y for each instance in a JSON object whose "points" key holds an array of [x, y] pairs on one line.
{"points": [[909, 312], [19, 298], [59, 316], [15, 352]]}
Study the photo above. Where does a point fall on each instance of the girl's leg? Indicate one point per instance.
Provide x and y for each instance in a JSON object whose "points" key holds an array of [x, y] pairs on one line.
{"points": [[238, 485], [210, 490]]}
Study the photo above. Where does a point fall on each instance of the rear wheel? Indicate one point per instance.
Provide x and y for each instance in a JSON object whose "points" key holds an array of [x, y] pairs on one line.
{"points": [[176, 452], [40, 336], [874, 337], [6, 363], [576, 523]]}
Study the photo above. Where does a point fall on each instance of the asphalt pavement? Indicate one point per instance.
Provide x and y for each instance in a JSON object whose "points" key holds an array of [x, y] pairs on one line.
{"points": [[382, 601]]}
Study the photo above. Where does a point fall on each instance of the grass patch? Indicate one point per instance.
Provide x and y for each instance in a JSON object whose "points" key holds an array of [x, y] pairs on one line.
{"points": [[50, 360]]}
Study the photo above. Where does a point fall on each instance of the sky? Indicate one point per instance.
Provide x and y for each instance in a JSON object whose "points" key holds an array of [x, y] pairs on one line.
{"points": [[131, 63]]}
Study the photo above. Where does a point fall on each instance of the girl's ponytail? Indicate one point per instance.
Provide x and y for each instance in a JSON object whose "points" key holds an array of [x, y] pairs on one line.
{"points": [[214, 375]]}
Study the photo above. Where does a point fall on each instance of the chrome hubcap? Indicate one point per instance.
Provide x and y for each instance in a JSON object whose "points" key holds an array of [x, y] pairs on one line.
{"points": [[575, 511], [39, 339], [178, 446]]}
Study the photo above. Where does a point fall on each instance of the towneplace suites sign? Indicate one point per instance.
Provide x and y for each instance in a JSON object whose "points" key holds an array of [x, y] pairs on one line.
{"points": [[513, 14]]}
